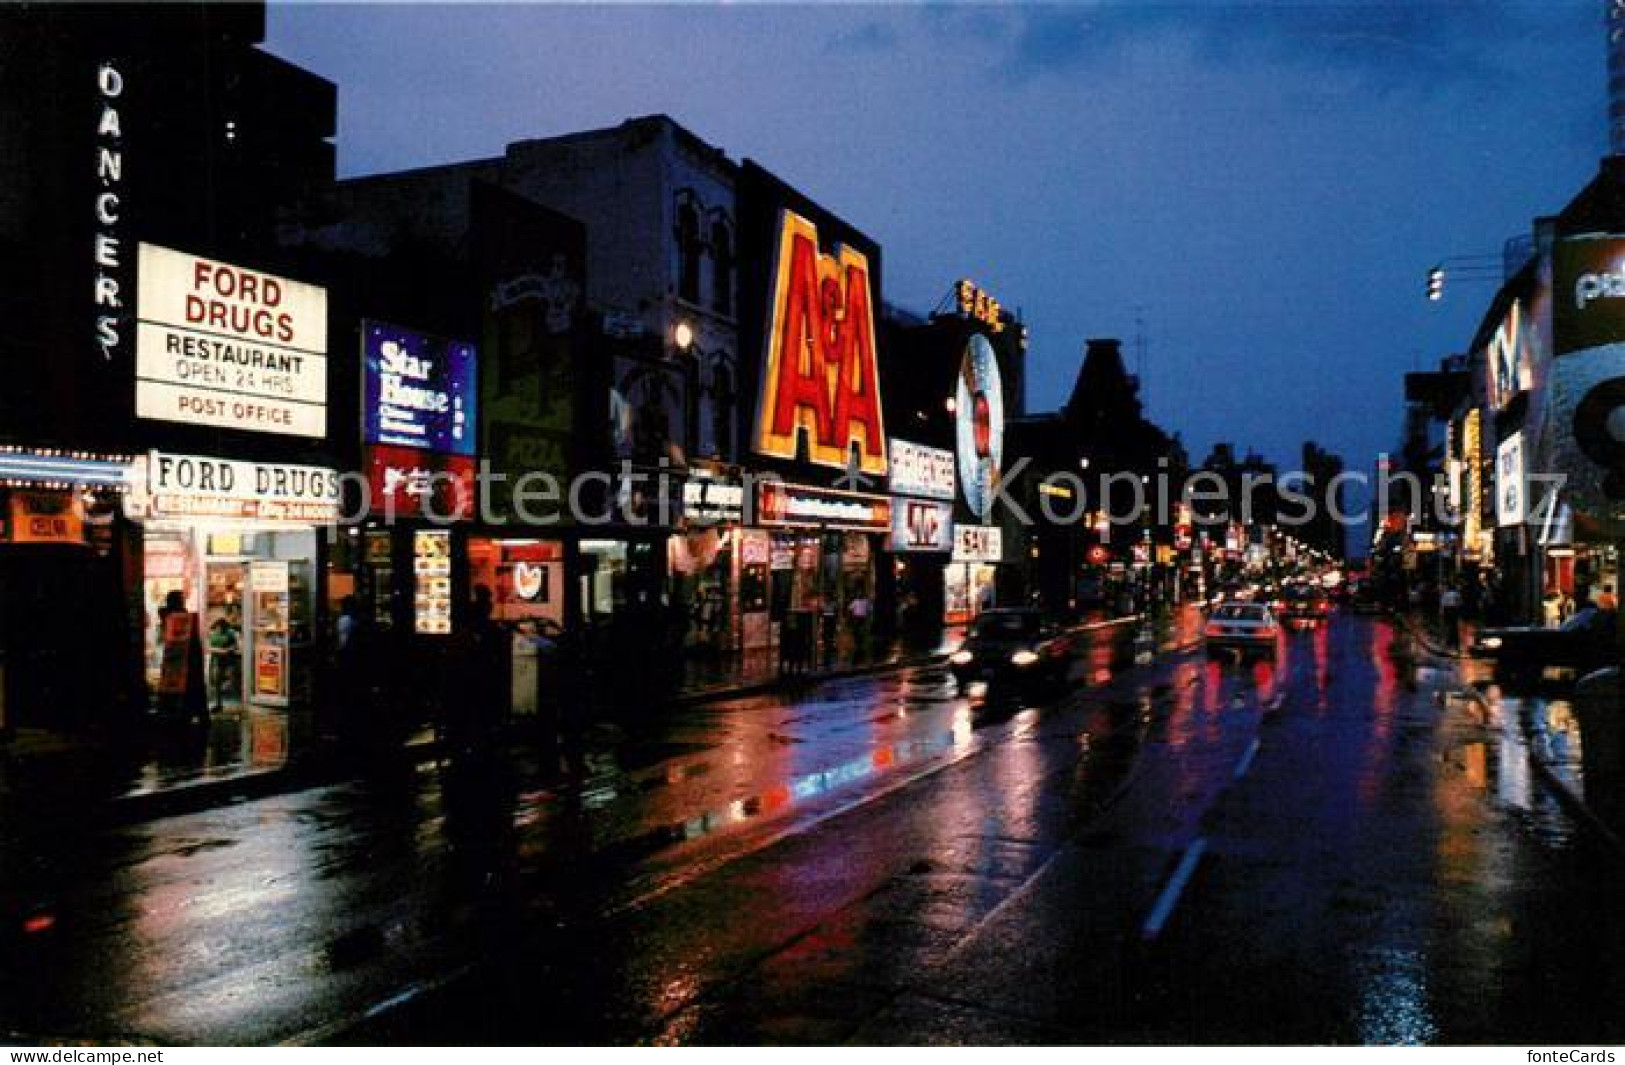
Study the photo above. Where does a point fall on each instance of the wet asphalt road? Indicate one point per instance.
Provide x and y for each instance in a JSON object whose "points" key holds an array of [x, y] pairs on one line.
{"points": [[1322, 847]]}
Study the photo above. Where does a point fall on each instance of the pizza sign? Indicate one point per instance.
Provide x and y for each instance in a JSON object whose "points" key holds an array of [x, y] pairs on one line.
{"points": [[821, 378]]}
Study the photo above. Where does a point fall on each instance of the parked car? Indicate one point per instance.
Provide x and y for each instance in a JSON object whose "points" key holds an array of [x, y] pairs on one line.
{"points": [[1012, 645], [1241, 626], [1583, 643]]}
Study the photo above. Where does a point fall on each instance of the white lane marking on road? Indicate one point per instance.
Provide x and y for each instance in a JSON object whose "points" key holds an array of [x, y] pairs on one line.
{"points": [[1169, 898], [1247, 757]]}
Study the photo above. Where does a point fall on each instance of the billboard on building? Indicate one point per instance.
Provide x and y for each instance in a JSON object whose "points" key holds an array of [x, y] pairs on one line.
{"points": [[1509, 360], [221, 345], [1585, 407], [530, 263], [810, 296], [979, 425], [821, 375], [417, 390]]}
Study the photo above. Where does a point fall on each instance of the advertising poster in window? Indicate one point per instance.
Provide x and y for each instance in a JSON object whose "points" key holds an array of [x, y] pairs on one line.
{"points": [[431, 570]]}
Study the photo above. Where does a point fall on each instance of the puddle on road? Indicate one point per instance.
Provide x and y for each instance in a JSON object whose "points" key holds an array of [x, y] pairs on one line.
{"points": [[1394, 1007], [774, 801]]}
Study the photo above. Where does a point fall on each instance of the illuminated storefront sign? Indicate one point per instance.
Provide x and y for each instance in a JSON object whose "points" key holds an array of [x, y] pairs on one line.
{"points": [[45, 518], [917, 470], [781, 504], [979, 413], [978, 543], [1511, 486], [1472, 457], [921, 525], [220, 345], [406, 482], [708, 502], [417, 390], [106, 254], [820, 374], [193, 486]]}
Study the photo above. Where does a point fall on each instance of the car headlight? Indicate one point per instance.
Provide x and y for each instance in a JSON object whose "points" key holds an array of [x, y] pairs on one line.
{"points": [[1023, 658], [1490, 643], [961, 658]]}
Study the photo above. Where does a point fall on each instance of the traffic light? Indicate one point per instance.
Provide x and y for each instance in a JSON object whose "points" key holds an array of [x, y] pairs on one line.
{"points": [[1436, 283]]}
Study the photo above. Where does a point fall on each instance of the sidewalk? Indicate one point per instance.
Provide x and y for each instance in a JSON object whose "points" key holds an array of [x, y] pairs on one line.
{"points": [[1575, 743], [153, 771], [156, 769], [1427, 633]]}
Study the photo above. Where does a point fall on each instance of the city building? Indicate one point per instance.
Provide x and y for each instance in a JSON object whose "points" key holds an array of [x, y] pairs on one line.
{"points": [[954, 383], [165, 361], [1104, 485]]}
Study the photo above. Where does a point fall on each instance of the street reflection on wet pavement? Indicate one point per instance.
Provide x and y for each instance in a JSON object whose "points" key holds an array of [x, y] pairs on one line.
{"points": [[1330, 844]]}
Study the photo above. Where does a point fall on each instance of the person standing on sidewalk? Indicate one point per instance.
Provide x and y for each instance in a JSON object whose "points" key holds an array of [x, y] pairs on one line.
{"points": [[1450, 615], [859, 609]]}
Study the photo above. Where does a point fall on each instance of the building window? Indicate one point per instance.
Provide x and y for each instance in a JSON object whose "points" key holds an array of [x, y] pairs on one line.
{"points": [[722, 266], [722, 408], [688, 248]]}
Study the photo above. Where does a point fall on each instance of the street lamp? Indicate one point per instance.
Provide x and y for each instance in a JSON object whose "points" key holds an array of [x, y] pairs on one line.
{"points": [[684, 336], [1469, 267]]}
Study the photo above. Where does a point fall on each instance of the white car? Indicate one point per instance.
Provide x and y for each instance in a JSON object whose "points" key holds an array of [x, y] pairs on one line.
{"points": [[1245, 626]]}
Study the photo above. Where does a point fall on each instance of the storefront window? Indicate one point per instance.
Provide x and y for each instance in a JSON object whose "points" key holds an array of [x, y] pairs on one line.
{"points": [[969, 589], [253, 590], [526, 578], [701, 583], [603, 575]]}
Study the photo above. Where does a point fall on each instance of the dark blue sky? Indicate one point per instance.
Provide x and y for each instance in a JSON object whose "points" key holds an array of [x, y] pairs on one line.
{"points": [[1266, 184]]}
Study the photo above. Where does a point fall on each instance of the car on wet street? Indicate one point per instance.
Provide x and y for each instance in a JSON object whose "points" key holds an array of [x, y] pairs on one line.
{"points": [[1522, 653], [1012, 646], [1305, 604], [1245, 627]]}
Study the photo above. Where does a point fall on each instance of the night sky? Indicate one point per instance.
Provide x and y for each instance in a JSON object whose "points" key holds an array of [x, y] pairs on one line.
{"points": [[1265, 184]]}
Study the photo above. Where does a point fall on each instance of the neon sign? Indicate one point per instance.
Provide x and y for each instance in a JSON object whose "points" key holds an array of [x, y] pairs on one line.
{"points": [[977, 304], [821, 373], [110, 183]]}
